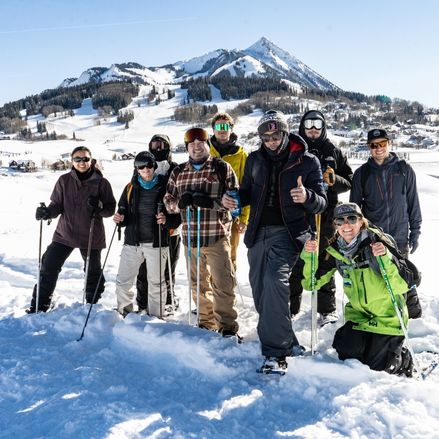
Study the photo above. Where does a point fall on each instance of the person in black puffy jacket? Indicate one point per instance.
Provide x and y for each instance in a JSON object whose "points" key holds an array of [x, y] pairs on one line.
{"points": [[283, 186]]}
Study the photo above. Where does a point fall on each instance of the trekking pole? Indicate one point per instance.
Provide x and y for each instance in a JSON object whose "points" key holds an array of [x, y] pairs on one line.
{"points": [[97, 285], [171, 283], [314, 260], [37, 293], [398, 311], [87, 260], [198, 264], [188, 220], [159, 209]]}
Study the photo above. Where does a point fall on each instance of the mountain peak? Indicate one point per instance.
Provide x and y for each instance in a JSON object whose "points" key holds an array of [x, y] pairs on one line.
{"points": [[262, 59], [263, 46]]}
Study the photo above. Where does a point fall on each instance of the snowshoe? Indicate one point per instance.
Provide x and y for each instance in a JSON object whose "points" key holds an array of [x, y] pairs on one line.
{"points": [[274, 366]]}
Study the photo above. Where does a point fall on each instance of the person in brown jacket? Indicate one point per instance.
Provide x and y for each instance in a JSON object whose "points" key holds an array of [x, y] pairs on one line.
{"points": [[78, 196]]}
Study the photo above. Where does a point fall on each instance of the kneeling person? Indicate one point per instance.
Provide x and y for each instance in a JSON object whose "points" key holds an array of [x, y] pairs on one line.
{"points": [[372, 333]]}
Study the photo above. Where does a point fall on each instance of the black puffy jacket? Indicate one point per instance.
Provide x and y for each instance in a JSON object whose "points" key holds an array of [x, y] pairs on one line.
{"points": [[297, 217], [128, 205]]}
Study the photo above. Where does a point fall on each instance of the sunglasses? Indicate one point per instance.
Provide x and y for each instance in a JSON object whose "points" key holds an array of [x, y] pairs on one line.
{"points": [[313, 123], [196, 134], [148, 165], [276, 136], [376, 145], [81, 159], [222, 127], [350, 219]]}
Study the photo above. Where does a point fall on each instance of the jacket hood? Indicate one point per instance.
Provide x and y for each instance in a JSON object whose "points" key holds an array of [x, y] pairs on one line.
{"points": [[296, 143], [313, 114], [225, 148]]}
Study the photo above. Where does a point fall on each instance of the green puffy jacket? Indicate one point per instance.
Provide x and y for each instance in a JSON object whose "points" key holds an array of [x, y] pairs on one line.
{"points": [[370, 305]]}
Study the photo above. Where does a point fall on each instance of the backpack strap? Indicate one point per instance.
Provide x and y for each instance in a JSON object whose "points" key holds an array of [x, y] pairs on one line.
{"points": [[129, 191], [403, 169], [364, 175], [220, 167]]}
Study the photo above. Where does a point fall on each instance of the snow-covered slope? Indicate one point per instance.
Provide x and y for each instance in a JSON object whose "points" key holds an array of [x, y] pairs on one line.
{"points": [[141, 377]]}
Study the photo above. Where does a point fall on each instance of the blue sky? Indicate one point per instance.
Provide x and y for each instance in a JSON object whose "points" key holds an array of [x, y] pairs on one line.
{"points": [[375, 47]]}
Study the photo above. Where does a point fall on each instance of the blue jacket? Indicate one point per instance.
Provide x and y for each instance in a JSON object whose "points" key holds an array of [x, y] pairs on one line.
{"points": [[389, 199]]}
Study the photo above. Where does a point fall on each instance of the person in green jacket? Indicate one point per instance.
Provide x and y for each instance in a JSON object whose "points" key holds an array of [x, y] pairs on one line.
{"points": [[223, 145], [372, 333]]}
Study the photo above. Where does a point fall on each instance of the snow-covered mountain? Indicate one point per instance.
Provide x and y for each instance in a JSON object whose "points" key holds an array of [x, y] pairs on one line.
{"points": [[262, 59]]}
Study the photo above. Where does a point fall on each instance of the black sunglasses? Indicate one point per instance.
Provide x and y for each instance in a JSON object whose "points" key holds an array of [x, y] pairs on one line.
{"points": [[81, 159], [351, 219], [148, 165]]}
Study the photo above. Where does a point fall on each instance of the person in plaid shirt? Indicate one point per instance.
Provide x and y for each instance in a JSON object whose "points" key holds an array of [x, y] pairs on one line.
{"points": [[201, 182]]}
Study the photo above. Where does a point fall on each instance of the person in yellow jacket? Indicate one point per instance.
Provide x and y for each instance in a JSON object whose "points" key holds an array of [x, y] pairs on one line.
{"points": [[223, 144]]}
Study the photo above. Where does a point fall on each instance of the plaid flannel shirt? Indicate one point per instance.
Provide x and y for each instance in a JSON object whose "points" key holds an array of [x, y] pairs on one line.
{"points": [[215, 223]]}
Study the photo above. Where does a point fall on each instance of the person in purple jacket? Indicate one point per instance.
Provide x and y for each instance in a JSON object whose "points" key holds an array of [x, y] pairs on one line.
{"points": [[78, 196]]}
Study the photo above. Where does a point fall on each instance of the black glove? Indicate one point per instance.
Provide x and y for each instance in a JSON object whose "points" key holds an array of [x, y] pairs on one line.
{"points": [[413, 242], [202, 200], [42, 213], [95, 204], [185, 200]]}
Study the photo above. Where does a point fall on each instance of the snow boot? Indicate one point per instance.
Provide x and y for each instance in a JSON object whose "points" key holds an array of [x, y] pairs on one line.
{"points": [[325, 318]]}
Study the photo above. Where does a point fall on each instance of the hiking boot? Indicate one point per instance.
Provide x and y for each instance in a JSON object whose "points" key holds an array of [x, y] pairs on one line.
{"points": [[168, 311], [325, 318], [176, 302], [230, 333], [406, 363], [126, 310]]}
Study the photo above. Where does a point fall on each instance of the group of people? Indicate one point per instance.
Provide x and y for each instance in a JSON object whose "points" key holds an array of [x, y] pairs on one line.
{"points": [[275, 194]]}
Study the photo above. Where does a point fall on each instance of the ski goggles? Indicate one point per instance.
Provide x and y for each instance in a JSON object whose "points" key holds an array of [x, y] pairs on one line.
{"points": [[350, 219], [196, 134], [313, 123], [376, 145], [276, 136], [222, 127], [81, 159]]}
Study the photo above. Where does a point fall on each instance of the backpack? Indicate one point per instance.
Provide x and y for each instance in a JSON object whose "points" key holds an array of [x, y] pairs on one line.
{"points": [[365, 172], [406, 268]]}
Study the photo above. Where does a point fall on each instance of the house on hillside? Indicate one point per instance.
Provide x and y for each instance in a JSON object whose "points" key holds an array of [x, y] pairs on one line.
{"points": [[60, 165], [127, 156], [26, 166]]}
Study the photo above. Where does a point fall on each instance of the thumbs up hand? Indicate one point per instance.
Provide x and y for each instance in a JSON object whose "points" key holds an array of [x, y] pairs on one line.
{"points": [[298, 194]]}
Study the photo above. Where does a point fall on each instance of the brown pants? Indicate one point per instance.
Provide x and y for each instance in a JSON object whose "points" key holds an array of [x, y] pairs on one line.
{"points": [[217, 284]]}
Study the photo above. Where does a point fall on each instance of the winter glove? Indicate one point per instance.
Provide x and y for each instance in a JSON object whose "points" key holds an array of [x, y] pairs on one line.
{"points": [[185, 200], [42, 213], [202, 200], [329, 176], [413, 242], [95, 204]]}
